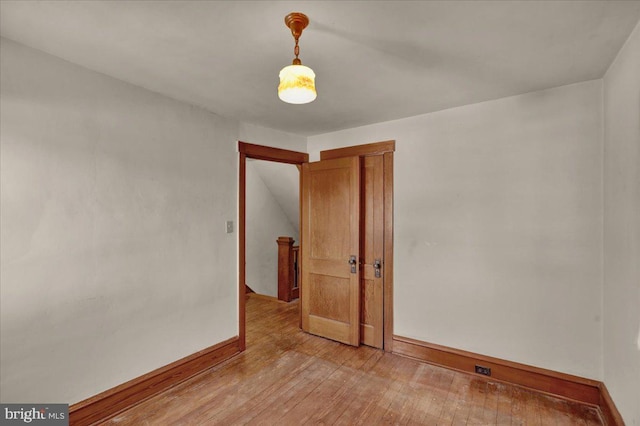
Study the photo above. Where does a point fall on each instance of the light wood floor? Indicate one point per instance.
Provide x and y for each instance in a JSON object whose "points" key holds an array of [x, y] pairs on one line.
{"points": [[286, 377]]}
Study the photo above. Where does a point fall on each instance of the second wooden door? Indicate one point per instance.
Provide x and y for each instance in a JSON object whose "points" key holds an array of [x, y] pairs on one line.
{"points": [[372, 250]]}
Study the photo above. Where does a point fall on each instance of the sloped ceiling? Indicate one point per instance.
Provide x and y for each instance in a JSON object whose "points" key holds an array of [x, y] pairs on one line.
{"points": [[283, 181], [375, 60]]}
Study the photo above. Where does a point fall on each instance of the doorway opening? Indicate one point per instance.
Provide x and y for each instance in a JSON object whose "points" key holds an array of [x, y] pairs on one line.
{"points": [[248, 173], [272, 229]]}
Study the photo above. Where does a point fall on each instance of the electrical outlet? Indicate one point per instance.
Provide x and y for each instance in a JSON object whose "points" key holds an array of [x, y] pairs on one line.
{"points": [[486, 371]]}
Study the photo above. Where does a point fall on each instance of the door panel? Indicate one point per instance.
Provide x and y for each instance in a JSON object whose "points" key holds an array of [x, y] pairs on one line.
{"points": [[329, 193], [330, 292], [329, 297], [372, 248]]}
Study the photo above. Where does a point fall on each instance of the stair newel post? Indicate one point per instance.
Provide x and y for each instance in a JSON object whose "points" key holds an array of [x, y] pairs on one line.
{"points": [[285, 267]]}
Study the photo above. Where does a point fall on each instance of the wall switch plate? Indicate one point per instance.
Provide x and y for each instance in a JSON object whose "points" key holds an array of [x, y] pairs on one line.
{"points": [[483, 370], [229, 226]]}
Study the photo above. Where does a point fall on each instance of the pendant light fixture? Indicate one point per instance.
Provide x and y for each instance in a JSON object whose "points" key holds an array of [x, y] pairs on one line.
{"points": [[297, 82]]}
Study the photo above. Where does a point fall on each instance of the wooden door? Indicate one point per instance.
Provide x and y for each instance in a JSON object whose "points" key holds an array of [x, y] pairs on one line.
{"points": [[330, 287], [372, 251], [376, 239]]}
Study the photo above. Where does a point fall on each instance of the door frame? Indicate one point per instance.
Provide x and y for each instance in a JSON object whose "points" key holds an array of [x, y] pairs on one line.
{"points": [[386, 149], [258, 152]]}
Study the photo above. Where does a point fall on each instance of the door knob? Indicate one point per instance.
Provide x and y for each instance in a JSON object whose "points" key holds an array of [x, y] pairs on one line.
{"points": [[377, 264], [353, 263]]}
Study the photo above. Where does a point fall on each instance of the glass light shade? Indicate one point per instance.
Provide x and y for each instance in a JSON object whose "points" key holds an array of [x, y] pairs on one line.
{"points": [[297, 84]]}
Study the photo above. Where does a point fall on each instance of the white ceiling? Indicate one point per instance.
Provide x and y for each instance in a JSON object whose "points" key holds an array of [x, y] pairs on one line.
{"points": [[374, 61]]}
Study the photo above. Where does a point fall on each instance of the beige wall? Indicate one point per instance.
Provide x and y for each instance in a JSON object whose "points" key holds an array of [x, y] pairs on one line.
{"points": [[114, 257], [622, 230], [498, 226]]}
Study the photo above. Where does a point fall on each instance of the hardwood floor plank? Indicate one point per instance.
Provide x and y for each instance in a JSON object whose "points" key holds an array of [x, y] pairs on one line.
{"points": [[532, 409], [503, 415], [398, 410], [311, 378], [490, 411], [384, 370], [420, 384], [325, 391], [287, 377], [478, 391], [356, 369], [365, 394], [442, 380]]}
